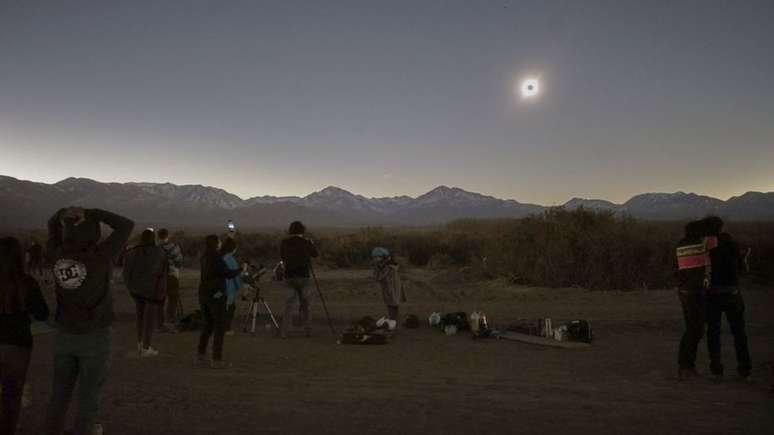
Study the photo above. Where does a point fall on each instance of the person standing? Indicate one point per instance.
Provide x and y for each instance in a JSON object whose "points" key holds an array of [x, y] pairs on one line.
{"points": [[387, 274], [82, 268], [296, 253], [145, 275], [725, 297], [169, 318], [693, 274], [20, 297], [233, 285], [36, 259], [212, 300]]}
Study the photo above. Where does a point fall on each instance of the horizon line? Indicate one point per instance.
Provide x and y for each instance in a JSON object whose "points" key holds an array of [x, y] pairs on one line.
{"points": [[374, 197]]}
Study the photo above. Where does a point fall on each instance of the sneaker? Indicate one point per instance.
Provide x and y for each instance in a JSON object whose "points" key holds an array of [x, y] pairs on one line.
{"points": [[201, 361], [97, 430], [149, 352], [230, 332], [746, 379], [220, 365]]}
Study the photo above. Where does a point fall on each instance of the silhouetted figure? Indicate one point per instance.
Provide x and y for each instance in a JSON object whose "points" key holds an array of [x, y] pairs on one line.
{"points": [[387, 274], [170, 317], [82, 267], [296, 253], [232, 284], [694, 277], [20, 297], [212, 300], [145, 275], [725, 297]]}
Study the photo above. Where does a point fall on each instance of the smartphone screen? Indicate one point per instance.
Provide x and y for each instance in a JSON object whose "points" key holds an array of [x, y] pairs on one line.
{"points": [[231, 226]]}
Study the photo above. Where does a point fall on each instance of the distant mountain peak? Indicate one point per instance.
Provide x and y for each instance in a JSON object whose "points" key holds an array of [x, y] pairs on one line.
{"points": [[30, 204]]}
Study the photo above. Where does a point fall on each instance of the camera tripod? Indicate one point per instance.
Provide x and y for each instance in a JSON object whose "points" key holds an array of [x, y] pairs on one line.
{"points": [[251, 278]]}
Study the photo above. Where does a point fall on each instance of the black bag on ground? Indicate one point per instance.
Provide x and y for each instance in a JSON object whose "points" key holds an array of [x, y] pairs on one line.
{"points": [[191, 322], [366, 323], [579, 330], [458, 319], [356, 335]]}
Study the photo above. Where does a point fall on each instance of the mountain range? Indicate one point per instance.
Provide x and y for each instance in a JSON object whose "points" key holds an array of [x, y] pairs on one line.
{"points": [[28, 205]]}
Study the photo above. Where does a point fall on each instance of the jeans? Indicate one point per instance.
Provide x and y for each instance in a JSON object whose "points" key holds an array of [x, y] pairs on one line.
{"points": [[230, 313], [173, 300], [214, 316], [694, 303], [83, 359], [14, 361], [732, 305], [297, 302], [147, 315]]}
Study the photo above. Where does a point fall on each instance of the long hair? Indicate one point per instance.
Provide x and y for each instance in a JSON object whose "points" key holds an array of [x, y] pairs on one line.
{"points": [[211, 244], [228, 246], [148, 238], [12, 291]]}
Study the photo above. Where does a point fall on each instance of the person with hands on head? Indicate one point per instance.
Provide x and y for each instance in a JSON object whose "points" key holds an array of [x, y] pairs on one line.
{"points": [[212, 301], [82, 268]]}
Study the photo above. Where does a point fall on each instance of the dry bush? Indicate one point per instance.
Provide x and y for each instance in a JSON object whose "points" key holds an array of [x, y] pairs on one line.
{"points": [[557, 248]]}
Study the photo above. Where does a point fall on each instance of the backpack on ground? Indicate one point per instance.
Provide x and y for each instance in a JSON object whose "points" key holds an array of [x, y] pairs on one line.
{"points": [[191, 322], [579, 330], [458, 320]]}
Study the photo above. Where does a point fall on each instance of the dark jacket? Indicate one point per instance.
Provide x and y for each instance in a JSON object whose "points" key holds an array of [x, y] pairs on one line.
{"points": [[145, 272], [296, 253], [82, 273], [725, 264], [214, 273], [15, 327]]}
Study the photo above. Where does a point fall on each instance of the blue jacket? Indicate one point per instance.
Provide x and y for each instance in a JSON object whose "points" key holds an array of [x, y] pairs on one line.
{"points": [[232, 284]]}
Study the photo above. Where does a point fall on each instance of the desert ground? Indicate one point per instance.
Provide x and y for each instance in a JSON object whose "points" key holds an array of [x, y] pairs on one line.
{"points": [[424, 382]]}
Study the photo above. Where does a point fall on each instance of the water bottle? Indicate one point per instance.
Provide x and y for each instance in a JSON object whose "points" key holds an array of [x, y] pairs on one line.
{"points": [[475, 318]]}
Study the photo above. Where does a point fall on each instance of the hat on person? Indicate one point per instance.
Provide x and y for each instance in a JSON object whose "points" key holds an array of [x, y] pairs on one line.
{"points": [[380, 252]]}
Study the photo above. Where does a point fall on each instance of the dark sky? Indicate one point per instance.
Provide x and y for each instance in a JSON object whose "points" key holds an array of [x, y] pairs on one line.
{"points": [[392, 97]]}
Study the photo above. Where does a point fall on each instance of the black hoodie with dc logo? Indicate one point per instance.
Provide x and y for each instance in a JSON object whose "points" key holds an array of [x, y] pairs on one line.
{"points": [[82, 268]]}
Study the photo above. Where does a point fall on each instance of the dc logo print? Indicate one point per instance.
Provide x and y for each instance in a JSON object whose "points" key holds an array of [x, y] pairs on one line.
{"points": [[69, 274]]}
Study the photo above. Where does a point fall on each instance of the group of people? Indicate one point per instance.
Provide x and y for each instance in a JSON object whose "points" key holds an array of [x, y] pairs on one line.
{"points": [[708, 264], [82, 264]]}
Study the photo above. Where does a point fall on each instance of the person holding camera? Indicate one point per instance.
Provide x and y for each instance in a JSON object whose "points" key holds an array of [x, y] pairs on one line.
{"points": [[296, 253], [145, 275], [213, 301], [82, 268], [233, 285]]}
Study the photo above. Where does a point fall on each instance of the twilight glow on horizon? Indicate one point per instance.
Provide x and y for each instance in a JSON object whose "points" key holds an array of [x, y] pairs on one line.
{"points": [[539, 101]]}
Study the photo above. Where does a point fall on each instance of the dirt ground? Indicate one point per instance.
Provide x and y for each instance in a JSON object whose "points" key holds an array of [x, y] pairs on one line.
{"points": [[424, 382]]}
